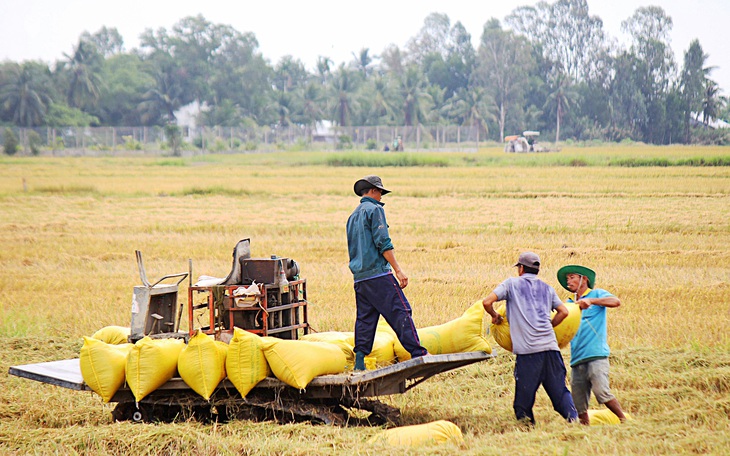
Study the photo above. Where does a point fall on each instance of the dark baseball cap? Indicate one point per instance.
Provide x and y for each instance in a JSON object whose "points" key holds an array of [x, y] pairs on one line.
{"points": [[369, 182], [529, 259]]}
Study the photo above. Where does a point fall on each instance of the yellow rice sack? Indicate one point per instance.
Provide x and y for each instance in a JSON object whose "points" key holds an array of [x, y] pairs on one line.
{"points": [[605, 416], [246, 364], [340, 339], [461, 335], [297, 362], [564, 332], [382, 353], [500, 332], [102, 366], [328, 336], [436, 432], [202, 363], [401, 354], [568, 328], [151, 363], [114, 335]]}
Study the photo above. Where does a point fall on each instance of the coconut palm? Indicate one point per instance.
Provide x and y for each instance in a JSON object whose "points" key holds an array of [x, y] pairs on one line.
{"points": [[163, 99], [84, 82], [415, 95], [472, 107], [25, 93], [561, 99], [343, 89]]}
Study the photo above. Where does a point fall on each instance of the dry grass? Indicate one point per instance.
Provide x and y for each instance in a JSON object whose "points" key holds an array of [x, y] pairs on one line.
{"points": [[658, 238]]}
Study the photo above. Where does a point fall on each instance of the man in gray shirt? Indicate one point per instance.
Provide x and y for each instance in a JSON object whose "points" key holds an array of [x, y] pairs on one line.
{"points": [[539, 362]]}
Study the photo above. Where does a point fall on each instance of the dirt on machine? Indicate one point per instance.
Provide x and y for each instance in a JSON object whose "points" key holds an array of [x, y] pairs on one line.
{"points": [[266, 296]]}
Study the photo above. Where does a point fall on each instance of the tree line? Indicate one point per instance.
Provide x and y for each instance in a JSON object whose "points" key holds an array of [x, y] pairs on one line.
{"points": [[549, 67]]}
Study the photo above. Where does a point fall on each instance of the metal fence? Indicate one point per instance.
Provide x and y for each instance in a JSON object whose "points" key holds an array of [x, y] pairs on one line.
{"points": [[144, 140]]}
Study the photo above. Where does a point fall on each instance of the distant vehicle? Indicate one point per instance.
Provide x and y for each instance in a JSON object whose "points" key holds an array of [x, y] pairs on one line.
{"points": [[525, 143]]}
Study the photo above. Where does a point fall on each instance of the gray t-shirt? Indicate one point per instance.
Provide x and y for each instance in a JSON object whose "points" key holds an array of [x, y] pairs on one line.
{"points": [[529, 303]]}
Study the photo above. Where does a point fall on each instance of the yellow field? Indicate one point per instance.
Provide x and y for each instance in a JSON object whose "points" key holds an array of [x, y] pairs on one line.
{"points": [[658, 237]]}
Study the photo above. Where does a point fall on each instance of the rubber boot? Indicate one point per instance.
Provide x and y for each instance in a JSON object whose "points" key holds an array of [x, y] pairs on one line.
{"points": [[359, 361]]}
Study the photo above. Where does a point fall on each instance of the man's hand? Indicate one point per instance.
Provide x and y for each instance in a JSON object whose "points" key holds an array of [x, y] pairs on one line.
{"points": [[402, 278], [497, 319], [584, 303]]}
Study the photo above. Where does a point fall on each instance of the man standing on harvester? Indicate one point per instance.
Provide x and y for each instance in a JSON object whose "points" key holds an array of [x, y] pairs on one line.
{"points": [[589, 348], [379, 279]]}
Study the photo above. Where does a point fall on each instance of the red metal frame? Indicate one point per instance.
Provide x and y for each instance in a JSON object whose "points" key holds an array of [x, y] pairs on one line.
{"points": [[296, 288]]}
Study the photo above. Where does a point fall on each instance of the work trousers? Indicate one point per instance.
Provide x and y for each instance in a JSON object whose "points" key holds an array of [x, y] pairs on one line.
{"points": [[384, 296], [546, 369]]}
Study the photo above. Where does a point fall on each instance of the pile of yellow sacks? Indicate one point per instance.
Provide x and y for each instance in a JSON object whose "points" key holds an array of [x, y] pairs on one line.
{"points": [[203, 362], [564, 332], [108, 361]]}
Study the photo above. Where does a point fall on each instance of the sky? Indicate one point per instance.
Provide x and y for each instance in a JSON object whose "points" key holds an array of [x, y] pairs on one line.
{"points": [[46, 29]]}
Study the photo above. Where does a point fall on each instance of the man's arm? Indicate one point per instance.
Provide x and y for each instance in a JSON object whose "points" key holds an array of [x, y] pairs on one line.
{"points": [[389, 256], [608, 301], [562, 312], [488, 304]]}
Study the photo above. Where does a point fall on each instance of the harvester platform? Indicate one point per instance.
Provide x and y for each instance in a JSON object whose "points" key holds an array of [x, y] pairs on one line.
{"points": [[328, 399]]}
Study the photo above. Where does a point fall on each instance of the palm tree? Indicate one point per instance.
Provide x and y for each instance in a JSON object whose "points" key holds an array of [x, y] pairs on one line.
{"points": [[362, 62], [324, 66], [472, 106], [163, 99], [343, 89], [414, 95], [311, 110], [25, 93], [562, 98], [712, 102], [380, 94], [285, 108], [84, 81]]}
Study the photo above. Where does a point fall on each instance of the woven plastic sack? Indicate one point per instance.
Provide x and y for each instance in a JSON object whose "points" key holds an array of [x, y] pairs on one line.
{"points": [[151, 363], [114, 335], [103, 365], [340, 339], [297, 362], [605, 416], [436, 432], [246, 364], [202, 364], [568, 328], [382, 353], [461, 335], [564, 332], [500, 332]]}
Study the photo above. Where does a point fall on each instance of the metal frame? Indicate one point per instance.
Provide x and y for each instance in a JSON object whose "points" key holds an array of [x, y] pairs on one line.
{"points": [[298, 293]]}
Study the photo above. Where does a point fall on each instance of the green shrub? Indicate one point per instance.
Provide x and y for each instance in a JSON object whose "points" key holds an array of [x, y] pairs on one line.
{"points": [[219, 145], [174, 138], [131, 144], [34, 142], [371, 144], [344, 142], [10, 142]]}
